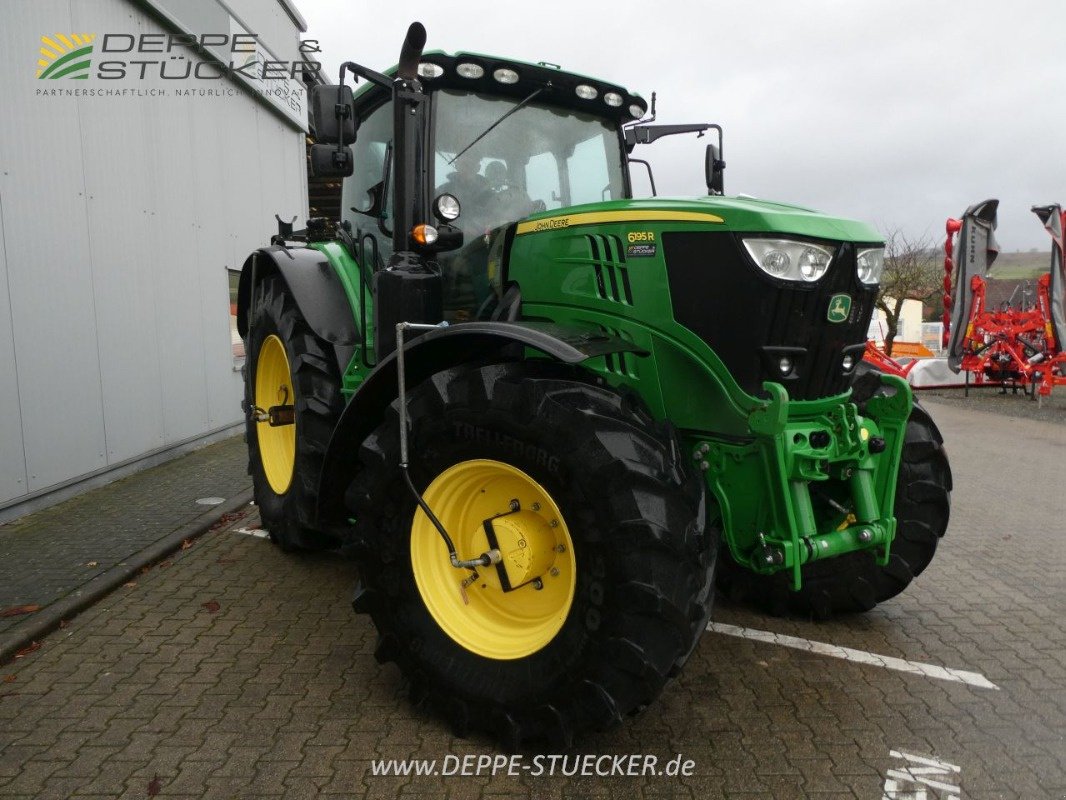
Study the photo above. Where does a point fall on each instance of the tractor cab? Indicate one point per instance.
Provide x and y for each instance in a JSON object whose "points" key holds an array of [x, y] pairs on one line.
{"points": [[505, 140]]}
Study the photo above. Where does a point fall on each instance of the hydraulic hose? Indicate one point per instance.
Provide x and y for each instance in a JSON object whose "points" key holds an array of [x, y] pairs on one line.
{"points": [[485, 559]]}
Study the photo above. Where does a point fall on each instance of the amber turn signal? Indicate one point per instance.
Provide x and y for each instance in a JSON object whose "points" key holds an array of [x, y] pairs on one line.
{"points": [[424, 234]]}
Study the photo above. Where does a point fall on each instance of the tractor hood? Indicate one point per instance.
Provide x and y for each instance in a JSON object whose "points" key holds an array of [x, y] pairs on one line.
{"points": [[731, 213], [675, 261]]}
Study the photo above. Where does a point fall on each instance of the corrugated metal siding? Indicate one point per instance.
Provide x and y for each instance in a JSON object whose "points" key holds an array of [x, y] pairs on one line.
{"points": [[271, 22], [119, 219], [12, 456], [121, 244], [46, 235]]}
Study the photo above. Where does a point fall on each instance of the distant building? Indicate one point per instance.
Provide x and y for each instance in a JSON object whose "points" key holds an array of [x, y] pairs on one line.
{"points": [[126, 203], [910, 324], [933, 336]]}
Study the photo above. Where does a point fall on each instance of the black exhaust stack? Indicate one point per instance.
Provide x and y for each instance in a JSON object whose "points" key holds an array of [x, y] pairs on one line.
{"points": [[408, 289]]}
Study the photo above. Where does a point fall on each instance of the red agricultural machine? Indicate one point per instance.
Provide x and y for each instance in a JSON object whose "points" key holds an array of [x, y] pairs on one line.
{"points": [[1017, 344], [884, 362]]}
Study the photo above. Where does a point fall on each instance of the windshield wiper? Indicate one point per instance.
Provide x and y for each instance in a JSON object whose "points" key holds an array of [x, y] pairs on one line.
{"points": [[487, 130]]}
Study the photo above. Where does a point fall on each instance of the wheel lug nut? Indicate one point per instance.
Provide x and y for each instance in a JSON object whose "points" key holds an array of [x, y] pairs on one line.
{"points": [[554, 572], [560, 548], [535, 506], [538, 584], [515, 505], [555, 523]]}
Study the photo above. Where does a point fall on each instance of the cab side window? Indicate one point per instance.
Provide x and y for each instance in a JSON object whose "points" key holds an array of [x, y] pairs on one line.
{"points": [[371, 143]]}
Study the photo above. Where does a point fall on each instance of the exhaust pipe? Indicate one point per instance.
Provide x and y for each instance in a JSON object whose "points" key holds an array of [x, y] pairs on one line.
{"points": [[411, 52], [407, 290]]}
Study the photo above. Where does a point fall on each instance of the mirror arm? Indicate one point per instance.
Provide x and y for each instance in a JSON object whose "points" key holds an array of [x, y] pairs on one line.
{"points": [[646, 134], [365, 72], [721, 152]]}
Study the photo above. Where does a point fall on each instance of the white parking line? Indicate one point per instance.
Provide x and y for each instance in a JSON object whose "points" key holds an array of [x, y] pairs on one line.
{"points": [[858, 656], [919, 773], [258, 533]]}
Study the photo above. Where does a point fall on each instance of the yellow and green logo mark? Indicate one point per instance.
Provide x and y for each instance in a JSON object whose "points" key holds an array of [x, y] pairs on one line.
{"points": [[839, 308], [65, 56]]}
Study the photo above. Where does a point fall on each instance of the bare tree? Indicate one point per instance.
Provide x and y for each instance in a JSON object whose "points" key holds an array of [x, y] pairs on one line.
{"points": [[912, 272]]}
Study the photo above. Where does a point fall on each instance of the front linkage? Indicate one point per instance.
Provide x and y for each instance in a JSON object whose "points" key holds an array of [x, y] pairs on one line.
{"points": [[831, 473]]}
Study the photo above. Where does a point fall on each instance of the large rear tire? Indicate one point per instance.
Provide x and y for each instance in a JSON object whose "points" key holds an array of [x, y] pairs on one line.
{"points": [[289, 365], [856, 582], [602, 490]]}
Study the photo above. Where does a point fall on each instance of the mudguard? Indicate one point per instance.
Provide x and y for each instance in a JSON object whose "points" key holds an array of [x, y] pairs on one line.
{"points": [[314, 285], [976, 251], [437, 350]]}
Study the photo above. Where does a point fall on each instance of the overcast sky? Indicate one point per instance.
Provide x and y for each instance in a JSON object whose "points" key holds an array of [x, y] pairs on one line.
{"points": [[899, 113]]}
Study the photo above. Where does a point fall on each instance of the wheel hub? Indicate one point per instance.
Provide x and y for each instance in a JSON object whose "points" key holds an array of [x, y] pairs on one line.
{"points": [[527, 544]]}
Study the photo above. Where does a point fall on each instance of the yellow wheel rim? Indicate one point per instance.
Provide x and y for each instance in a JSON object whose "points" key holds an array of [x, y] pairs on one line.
{"points": [[535, 545], [273, 387]]}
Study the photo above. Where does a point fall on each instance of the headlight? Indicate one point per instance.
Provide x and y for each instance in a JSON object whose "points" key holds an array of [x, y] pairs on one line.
{"points": [[870, 264], [788, 259], [470, 70], [446, 207]]}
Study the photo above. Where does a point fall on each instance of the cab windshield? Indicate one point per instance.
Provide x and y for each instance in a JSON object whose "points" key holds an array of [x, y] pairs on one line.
{"points": [[539, 158]]}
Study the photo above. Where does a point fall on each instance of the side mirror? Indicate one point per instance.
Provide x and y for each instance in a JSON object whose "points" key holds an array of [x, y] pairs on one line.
{"points": [[714, 168], [331, 161], [333, 114]]}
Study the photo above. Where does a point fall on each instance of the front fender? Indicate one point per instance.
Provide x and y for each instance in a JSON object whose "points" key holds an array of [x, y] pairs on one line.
{"points": [[432, 352], [314, 284]]}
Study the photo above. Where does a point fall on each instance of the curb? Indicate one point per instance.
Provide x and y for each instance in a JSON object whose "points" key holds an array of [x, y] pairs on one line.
{"points": [[49, 617]]}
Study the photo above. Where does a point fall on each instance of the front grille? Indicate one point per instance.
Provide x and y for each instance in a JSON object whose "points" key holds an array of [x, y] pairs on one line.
{"points": [[752, 320]]}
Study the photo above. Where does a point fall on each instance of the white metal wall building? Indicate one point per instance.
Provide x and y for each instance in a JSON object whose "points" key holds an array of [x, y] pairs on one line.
{"points": [[119, 218]]}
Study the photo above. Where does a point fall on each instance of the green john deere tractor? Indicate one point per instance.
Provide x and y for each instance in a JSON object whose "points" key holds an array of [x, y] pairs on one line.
{"points": [[538, 411]]}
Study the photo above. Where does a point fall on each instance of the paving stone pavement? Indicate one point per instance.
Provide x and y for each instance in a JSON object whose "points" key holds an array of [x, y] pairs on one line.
{"points": [[48, 554], [275, 692]]}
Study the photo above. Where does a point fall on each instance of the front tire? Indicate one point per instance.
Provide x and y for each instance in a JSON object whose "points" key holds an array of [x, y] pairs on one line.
{"points": [[289, 365], [631, 537]]}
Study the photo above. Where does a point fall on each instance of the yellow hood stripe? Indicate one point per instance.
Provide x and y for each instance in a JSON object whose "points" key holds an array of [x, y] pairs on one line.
{"points": [[595, 217]]}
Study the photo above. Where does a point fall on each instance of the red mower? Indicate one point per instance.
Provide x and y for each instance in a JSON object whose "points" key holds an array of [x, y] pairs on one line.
{"points": [[1018, 345]]}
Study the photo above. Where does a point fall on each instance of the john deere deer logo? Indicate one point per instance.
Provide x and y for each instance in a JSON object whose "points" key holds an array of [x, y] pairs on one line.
{"points": [[65, 56], [839, 308]]}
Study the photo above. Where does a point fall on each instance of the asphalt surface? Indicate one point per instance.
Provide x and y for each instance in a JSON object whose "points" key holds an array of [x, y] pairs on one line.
{"points": [[1008, 402], [235, 670]]}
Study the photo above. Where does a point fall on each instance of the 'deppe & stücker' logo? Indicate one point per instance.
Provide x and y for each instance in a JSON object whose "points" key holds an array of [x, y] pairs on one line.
{"points": [[64, 55]]}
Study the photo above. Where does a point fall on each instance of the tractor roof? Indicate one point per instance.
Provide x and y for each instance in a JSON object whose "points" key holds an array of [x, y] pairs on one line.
{"points": [[559, 87]]}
